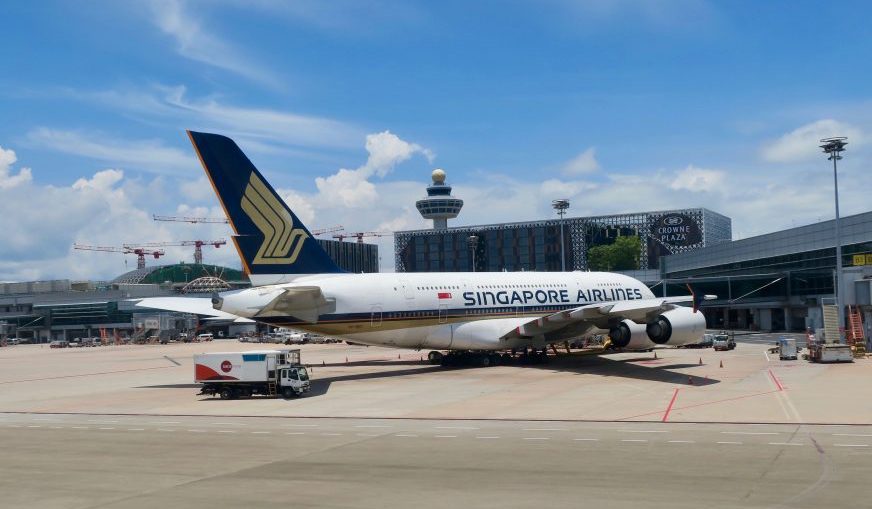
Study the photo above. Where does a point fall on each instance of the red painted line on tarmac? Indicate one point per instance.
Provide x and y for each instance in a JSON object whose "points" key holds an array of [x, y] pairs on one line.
{"points": [[84, 374], [700, 404], [669, 408], [775, 379]]}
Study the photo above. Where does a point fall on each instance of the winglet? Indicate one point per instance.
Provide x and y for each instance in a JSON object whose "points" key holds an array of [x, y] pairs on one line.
{"points": [[697, 299]]}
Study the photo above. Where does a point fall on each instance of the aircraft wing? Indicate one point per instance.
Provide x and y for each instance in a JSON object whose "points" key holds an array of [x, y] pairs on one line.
{"points": [[193, 305], [304, 302], [574, 322]]}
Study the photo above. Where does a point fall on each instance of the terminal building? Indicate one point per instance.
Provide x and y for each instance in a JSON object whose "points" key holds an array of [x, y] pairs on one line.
{"points": [[43, 311]]}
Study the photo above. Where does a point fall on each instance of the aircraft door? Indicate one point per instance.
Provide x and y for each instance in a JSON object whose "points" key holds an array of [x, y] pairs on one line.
{"points": [[375, 319], [443, 313], [408, 291]]}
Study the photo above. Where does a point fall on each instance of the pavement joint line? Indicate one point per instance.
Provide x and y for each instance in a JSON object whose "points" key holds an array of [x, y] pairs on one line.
{"points": [[850, 435], [682, 442], [851, 445], [135, 429], [404, 435], [537, 438], [633, 440], [487, 437], [784, 443], [106, 428], [34, 426], [168, 422], [454, 427], [586, 439], [261, 432], [227, 424], [544, 429], [197, 431], [642, 431], [166, 430], [301, 425], [295, 433], [80, 427], [329, 434], [373, 426], [446, 436], [750, 432], [366, 434], [731, 443], [226, 431]]}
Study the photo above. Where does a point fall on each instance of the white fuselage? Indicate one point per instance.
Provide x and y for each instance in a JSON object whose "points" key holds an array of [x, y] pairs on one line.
{"points": [[437, 310]]}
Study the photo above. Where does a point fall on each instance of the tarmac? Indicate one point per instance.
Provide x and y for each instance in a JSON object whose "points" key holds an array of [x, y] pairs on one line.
{"points": [[123, 426]]}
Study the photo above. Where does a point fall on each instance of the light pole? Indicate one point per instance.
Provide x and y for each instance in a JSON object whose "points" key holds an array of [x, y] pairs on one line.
{"points": [[834, 147], [472, 240], [560, 206]]}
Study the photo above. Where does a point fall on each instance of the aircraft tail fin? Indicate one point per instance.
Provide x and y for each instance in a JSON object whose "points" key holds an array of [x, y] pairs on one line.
{"points": [[268, 235]]}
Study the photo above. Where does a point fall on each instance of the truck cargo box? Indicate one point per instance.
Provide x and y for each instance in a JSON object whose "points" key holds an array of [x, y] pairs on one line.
{"points": [[251, 366]]}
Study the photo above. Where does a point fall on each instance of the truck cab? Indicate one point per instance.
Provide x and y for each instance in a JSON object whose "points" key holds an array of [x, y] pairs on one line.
{"points": [[293, 380]]}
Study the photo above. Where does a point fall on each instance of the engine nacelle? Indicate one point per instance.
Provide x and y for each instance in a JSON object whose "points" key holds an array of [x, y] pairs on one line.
{"points": [[675, 327], [630, 335]]}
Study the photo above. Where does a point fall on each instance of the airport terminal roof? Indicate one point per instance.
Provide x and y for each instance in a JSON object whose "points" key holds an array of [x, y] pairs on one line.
{"points": [[179, 273]]}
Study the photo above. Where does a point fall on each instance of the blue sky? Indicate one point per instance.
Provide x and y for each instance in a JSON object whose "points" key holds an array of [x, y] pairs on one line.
{"points": [[346, 106]]}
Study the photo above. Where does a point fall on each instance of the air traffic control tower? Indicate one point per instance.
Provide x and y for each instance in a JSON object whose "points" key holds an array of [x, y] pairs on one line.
{"points": [[439, 205]]}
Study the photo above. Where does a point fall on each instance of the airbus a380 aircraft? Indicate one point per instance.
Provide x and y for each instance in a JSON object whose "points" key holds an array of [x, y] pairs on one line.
{"points": [[296, 284]]}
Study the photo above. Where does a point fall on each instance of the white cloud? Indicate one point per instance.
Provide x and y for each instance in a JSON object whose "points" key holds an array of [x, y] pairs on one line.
{"points": [[386, 150], [583, 163], [150, 155], [7, 179], [261, 129], [697, 179], [195, 42], [803, 143]]}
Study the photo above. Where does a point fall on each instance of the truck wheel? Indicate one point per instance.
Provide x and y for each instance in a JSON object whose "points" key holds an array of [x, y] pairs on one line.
{"points": [[434, 357], [288, 393], [226, 393]]}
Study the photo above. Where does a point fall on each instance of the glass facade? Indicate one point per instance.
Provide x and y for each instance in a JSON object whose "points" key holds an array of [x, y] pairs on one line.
{"points": [[535, 245]]}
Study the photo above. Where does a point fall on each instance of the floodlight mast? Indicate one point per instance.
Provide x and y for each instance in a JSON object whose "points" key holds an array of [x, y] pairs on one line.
{"points": [[560, 206], [834, 147]]}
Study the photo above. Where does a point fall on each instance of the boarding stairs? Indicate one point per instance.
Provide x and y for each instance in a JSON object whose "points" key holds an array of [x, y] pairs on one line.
{"points": [[831, 323], [855, 336], [271, 388]]}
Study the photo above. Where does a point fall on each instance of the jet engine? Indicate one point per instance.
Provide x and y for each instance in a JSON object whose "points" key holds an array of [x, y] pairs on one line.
{"points": [[630, 335], [678, 326]]}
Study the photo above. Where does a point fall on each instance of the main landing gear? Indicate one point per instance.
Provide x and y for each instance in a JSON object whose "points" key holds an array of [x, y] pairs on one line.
{"points": [[486, 359]]}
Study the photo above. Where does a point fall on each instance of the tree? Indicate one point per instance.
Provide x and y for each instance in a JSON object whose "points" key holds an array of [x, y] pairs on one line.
{"points": [[623, 254]]}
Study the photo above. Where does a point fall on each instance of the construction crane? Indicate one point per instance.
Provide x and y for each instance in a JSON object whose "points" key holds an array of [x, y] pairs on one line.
{"points": [[221, 220], [139, 251], [198, 246], [360, 235]]}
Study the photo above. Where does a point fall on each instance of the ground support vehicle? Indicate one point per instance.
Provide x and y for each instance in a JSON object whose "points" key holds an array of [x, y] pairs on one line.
{"points": [[266, 372], [787, 349], [819, 351], [722, 342]]}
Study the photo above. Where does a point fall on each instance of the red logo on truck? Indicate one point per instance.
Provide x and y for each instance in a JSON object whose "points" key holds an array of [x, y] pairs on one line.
{"points": [[226, 366]]}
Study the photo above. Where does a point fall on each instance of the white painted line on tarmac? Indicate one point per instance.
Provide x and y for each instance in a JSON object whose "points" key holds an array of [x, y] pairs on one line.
{"points": [[226, 431], [488, 437], [365, 435], [41, 419], [731, 443], [766, 354], [13, 426], [850, 435], [260, 432], [166, 430], [295, 433], [404, 435], [536, 438], [643, 431], [197, 431], [446, 436], [586, 439], [373, 426], [633, 440], [135, 429], [750, 433], [784, 443], [168, 422], [34, 426], [544, 429], [107, 428], [57, 427], [682, 442], [80, 427], [851, 445], [102, 422], [227, 424], [454, 427], [331, 434]]}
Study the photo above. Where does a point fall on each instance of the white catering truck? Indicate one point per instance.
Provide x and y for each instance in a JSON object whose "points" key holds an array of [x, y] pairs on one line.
{"points": [[267, 372]]}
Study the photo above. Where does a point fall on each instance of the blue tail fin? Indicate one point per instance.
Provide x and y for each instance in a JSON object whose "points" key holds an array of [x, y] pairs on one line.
{"points": [[269, 237]]}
